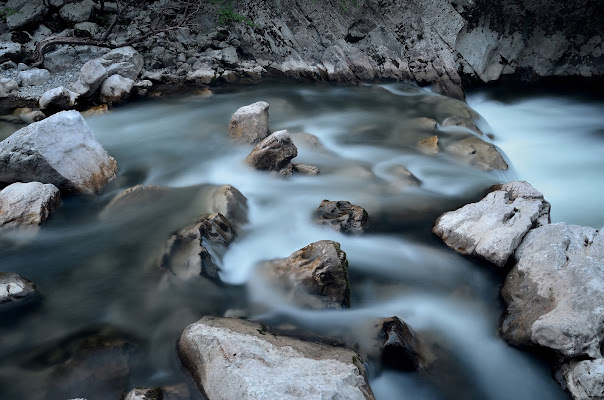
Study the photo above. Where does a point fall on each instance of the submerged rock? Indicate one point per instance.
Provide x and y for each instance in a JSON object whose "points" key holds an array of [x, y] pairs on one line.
{"points": [[477, 153], [232, 358], [250, 123], [273, 153], [555, 291], [429, 145], [461, 121], [133, 199], [305, 169], [585, 379], [492, 228], [190, 252], [14, 288], [231, 203], [315, 276], [27, 205], [61, 150], [342, 216]]}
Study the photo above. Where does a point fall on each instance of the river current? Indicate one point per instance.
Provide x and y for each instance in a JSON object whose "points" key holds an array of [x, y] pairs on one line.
{"points": [[94, 272]]}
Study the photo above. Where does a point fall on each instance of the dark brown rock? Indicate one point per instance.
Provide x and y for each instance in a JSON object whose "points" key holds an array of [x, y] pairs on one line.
{"points": [[342, 216], [273, 153]]}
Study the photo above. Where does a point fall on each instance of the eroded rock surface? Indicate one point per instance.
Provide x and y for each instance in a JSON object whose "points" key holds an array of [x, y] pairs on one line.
{"points": [[478, 153], [61, 150], [555, 291], [232, 358], [231, 203], [342, 216], [315, 276], [250, 123], [492, 228], [273, 153], [585, 379], [27, 205]]}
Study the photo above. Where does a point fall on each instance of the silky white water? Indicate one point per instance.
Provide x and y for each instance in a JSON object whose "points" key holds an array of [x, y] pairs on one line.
{"points": [[100, 272]]}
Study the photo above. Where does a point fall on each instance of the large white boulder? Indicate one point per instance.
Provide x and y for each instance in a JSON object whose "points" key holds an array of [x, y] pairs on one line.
{"points": [[231, 358], [27, 204], [250, 123], [61, 150]]}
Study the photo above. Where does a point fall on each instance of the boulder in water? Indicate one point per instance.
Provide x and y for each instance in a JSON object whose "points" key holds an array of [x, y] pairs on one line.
{"points": [[250, 123], [14, 288], [305, 169], [342, 216], [273, 153], [315, 276], [555, 291], [492, 228], [477, 153], [61, 150], [27, 205], [463, 122], [231, 203], [429, 145], [232, 358]]}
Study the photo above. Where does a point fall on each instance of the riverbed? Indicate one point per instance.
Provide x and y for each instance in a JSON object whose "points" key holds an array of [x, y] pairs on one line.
{"points": [[97, 272]]}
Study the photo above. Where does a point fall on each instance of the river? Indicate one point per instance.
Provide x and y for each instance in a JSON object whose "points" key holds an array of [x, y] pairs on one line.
{"points": [[98, 272]]}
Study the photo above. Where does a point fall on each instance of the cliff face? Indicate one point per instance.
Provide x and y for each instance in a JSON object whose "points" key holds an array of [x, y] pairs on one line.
{"points": [[429, 41]]}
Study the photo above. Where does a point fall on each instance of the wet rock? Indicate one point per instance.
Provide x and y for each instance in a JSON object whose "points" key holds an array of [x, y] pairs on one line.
{"points": [[429, 145], [342, 216], [34, 77], [255, 363], [273, 153], [14, 288], [26, 12], [191, 252], [28, 115], [61, 150], [424, 123], [555, 291], [133, 199], [9, 51], [463, 122], [396, 346], [58, 99], [92, 75], [231, 203], [478, 153], [8, 86], [403, 176], [307, 140], [96, 110], [145, 394], [305, 169], [77, 11], [492, 228], [27, 205], [315, 276], [250, 123], [116, 88], [585, 379]]}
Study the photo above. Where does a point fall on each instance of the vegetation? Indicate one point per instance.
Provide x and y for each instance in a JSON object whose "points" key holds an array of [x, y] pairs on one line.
{"points": [[7, 12]]}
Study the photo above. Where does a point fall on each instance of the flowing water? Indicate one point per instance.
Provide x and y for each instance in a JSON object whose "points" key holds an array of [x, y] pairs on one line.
{"points": [[94, 273]]}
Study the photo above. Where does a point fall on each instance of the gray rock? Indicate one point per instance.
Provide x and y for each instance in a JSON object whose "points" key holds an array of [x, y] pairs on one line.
{"points": [[124, 61], [253, 363], [9, 51], [116, 88], [305, 169], [273, 153], [77, 11], [250, 123], [5, 66], [92, 75], [58, 98], [315, 276], [62, 59], [229, 56], [204, 75], [231, 203], [492, 228], [145, 394], [27, 12], [7, 86], [462, 122], [14, 288], [34, 77], [133, 199], [89, 28], [585, 379], [478, 153], [61, 150], [342, 216], [555, 291], [192, 252], [27, 205]]}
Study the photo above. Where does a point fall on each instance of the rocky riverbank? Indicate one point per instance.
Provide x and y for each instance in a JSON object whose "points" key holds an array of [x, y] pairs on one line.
{"points": [[182, 45]]}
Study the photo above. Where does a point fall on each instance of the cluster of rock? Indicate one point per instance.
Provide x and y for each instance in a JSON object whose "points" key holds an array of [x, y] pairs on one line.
{"points": [[554, 291]]}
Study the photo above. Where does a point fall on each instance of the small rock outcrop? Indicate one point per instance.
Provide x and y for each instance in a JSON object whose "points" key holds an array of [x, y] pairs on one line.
{"points": [[555, 291], [273, 153], [249, 124], [116, 88], [585, 379], [396, 345], [492, 228], [477, 153], [61, 150], [315, 276], [58, 99], [188, 253], [27, 205], [232, 358], [231, 203], [14, 288], [342, 216], [33, 77]]}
